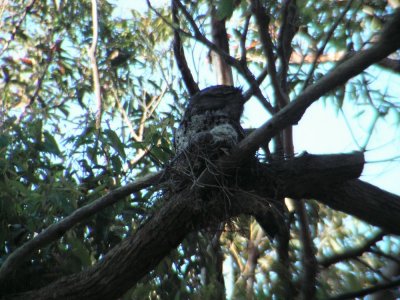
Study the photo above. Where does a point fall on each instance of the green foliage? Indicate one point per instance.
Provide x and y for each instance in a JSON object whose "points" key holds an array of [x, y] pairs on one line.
{"points": [[53, 159]]}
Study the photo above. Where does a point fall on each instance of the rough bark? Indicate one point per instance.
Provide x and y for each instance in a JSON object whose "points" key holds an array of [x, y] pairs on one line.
{"points": [[128, 262]]}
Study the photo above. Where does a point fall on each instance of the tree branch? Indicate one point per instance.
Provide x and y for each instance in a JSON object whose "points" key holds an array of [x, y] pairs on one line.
{"points": [[352, 253], [364, 201], [287, 32], [179, 54], [326, 41], [17, 26], [56, 230], [293, 112], [143, 250], [184, 213], [93, 61], [367, 291], [391, 64], [263, 21], [237, 64]]}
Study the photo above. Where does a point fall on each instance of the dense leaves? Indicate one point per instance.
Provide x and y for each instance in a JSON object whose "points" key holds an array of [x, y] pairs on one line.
{"points": [[54, 159]]}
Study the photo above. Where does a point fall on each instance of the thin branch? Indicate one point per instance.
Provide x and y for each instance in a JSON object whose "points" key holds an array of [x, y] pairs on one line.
{"points": [[260, 78], [325, 43], [124, 115], [243, 37], [93, 61], [234, 252], [262, 19], [288, 30], [352, 253], [56, 230], [379, 252], [372, 269], [39, 81], [237, 64], [368, 291], [309, 261], [179, 54], [17, 26]]}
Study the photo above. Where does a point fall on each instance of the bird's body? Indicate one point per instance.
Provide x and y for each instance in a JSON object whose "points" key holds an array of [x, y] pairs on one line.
{"points": [[214, 111], [210, 127]]}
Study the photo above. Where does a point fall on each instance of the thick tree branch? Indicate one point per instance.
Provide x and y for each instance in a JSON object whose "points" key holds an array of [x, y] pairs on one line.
{"points": [[56, 230], [182, 214], [308, 258], [364, 201], [390, 64], [303, 176], [129, 261]]}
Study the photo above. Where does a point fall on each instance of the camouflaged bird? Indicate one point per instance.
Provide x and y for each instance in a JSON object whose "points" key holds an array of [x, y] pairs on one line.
{"points": [[210, 128], [212, 117]]}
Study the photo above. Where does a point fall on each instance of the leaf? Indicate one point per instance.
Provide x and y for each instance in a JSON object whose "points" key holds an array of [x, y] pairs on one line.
{"points": [[225, 9], [116, 164], [4, 141], [115, 142], [50, 145], [80, 251]]}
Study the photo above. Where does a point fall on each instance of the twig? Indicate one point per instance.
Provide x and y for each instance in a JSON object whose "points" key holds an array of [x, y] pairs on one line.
{"points": [[352, 253], [198, 36], [286, 34], [372, 269], [243, 38], [380, 253], [179, 54], [56, 230], [368, 291], [309, 261], [326, 41], [263, 21], [93, 61], [250, 92], [125, 115], [18, 25]]}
